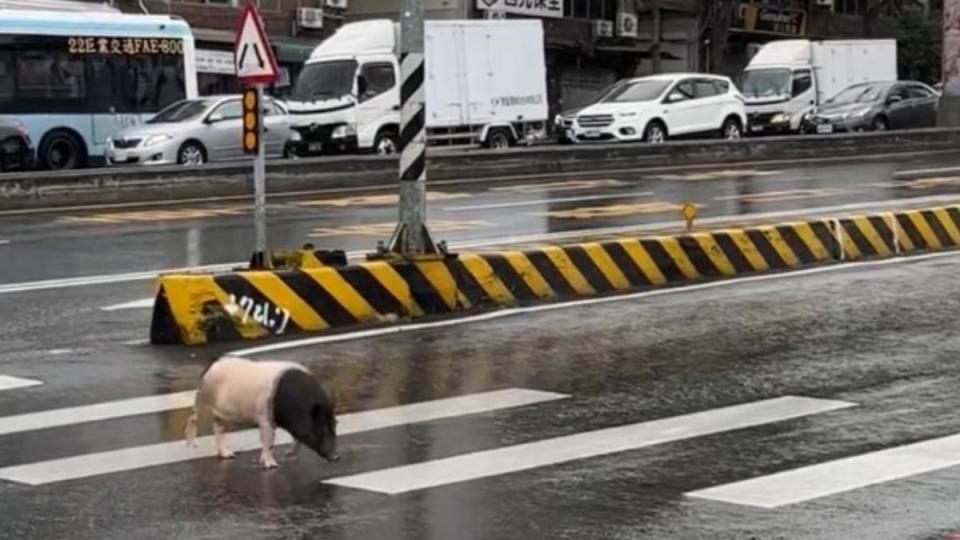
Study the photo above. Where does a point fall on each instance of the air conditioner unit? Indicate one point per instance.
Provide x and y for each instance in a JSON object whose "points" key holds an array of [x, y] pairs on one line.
{"points": [[627, 24], [602, 29], [310, 17], [336, 4]]}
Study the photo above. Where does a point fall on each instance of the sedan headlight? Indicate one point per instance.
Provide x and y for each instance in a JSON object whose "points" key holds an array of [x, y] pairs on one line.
{"points": [[858, 114], [782, 118], [340, 132], [158, 139]]}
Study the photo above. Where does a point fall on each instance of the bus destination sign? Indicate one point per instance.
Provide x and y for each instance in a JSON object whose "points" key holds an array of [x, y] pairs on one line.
{"points": [[128, 46]]}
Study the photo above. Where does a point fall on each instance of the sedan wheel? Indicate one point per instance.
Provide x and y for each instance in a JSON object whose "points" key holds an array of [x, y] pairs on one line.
{"points": [[191, 154]]}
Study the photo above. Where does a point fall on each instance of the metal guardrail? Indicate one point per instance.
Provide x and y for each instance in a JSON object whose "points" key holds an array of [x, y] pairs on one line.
{"points": [[143, 183]]}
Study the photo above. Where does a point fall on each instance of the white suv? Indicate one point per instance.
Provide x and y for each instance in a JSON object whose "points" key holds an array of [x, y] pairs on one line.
{"points": [[655, 108]]}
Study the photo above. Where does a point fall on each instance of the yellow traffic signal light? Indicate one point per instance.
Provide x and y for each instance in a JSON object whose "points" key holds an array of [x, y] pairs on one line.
{"points": [[251, 121]]}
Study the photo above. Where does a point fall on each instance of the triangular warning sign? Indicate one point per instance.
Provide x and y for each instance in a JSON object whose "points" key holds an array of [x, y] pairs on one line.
{"points": [[252, 54]]}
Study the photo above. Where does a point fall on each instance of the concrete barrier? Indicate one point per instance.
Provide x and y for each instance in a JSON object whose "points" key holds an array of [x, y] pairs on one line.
{"points": [[195, 309], [171, 183]]}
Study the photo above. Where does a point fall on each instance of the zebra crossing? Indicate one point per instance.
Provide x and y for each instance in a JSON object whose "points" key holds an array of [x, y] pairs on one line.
{"points": [[771, 491]]}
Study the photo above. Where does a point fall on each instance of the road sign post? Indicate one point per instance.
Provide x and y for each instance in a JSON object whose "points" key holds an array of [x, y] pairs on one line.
{"points": [[411, 237], [256, 67]]}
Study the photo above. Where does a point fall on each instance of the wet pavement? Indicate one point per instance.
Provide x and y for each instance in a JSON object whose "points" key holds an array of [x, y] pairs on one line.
{"points": [[877, 338]]}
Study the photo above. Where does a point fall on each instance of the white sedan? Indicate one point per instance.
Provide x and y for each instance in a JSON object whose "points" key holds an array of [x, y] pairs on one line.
{"points": [[659, 107]]}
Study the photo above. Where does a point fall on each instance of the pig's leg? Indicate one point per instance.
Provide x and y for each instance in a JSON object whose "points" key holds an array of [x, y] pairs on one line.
{"points": [[219, 434], [293, 448], [266, 439]]}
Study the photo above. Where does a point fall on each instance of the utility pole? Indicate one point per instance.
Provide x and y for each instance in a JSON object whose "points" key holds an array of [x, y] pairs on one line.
{"points": [[411, 236]]}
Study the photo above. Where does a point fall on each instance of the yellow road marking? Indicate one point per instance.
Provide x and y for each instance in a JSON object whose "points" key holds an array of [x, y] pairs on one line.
{"points": [[142, 216], [615, 210], [786, 195], [376, 200], [569, 185]]}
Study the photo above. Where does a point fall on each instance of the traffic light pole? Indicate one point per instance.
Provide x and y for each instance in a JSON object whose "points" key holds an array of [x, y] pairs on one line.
{"points": [[260, 257]]}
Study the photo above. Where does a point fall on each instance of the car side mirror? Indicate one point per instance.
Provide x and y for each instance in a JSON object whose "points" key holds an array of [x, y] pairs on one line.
{"points": [[674, 97], [215, 117], [361, 86], [894, 99]]}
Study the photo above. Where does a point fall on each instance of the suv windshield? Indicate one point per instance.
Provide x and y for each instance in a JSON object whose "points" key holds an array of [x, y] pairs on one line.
{"points": [[638, 91], [180, 111], [325, 80], [861, 93], [766, 83]]}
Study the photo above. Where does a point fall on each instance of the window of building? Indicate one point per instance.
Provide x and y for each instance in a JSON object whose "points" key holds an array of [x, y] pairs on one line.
{"points": [[849, 7]]}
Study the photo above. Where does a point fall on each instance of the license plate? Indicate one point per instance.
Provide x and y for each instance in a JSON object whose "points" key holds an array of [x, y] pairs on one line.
{"points": [[315, 147], [825, 128], [756, 128], [120, 157], [592, 133]]}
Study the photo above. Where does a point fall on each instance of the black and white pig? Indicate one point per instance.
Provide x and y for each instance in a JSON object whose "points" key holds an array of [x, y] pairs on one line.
{"points": [[242, 392]]}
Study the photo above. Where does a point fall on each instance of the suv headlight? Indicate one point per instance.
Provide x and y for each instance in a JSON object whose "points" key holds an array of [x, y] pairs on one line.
{"points": [[340, 132], [158, 139]]}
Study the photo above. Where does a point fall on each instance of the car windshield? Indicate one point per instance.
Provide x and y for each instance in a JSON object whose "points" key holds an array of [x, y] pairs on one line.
{"points": [[325, 80], [861, 93], [638, 91], [766, 83], [180, 111]]}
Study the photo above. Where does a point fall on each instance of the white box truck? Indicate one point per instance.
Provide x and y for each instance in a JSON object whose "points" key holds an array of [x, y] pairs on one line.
{"points": [[485, 82], [786, 79]]}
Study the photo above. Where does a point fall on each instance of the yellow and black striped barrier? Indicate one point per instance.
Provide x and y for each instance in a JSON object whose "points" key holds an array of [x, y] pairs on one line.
{"points": [[310, 297]]}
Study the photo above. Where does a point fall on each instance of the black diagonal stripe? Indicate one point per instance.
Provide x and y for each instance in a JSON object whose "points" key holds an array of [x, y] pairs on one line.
{"points": [[412, 127], [322, 301], [827, 238], [663, 260], [411, 83], [163, 328], [551, 274], [883, 230], [588, 268], [510, 277], [415, 169], [698, 256], [954, 214], [423, 292], [859, 239], [466, 283], [625, 263], [796, 244], [733, 253], [908, 228], [240, 288], [937, 227], [379, 297], [766, 249]]}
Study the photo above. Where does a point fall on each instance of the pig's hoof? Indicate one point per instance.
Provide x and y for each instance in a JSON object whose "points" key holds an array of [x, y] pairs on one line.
{"points": [[268, 463], [227, 454]]}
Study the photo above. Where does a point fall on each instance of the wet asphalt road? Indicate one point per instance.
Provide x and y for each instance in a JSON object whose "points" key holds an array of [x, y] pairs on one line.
{"points": [[880, 337], [115, 240]]}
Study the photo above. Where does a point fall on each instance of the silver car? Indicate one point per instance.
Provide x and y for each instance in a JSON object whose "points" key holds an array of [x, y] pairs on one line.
{"points": [[198, 131]]}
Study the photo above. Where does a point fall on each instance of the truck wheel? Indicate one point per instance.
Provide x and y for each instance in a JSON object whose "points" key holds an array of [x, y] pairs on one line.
{"points": [[61, 150], [387, 143], [499, 139]]}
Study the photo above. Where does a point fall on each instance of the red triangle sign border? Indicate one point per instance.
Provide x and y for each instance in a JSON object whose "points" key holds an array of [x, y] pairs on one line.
{"points": [[250, 12]]}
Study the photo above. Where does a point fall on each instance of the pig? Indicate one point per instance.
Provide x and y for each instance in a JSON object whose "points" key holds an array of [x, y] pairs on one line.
{"points": [[268, 395]]}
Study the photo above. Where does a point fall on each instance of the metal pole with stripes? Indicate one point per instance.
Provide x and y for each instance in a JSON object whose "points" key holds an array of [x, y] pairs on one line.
{"points": [[411, 236]]}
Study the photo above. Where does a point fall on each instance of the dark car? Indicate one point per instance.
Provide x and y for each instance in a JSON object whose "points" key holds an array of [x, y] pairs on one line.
{"points": [[877, 106], [16, 149]]}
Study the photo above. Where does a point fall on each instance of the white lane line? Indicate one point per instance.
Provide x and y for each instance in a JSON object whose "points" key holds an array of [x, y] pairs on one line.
{"points": [[71, 468], [143, 303], [601, 442], [539, 202], [832, 477], [544, 237], [8, 382], [95, 412], [4, 242], [493, 315], [925, 172]]}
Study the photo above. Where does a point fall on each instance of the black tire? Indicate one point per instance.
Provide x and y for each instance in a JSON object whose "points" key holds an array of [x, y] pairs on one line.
{"points": [[498, 139], [387, 142], [61, 150], [655, 133], [879, 124], [191, 153], [731, 130]]}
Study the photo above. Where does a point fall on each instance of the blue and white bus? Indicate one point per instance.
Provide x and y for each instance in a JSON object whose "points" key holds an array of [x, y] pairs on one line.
{"points": [[74, 79]]}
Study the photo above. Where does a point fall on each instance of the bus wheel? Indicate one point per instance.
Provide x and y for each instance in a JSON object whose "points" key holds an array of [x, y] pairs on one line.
{"points": [[61, 150]]}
